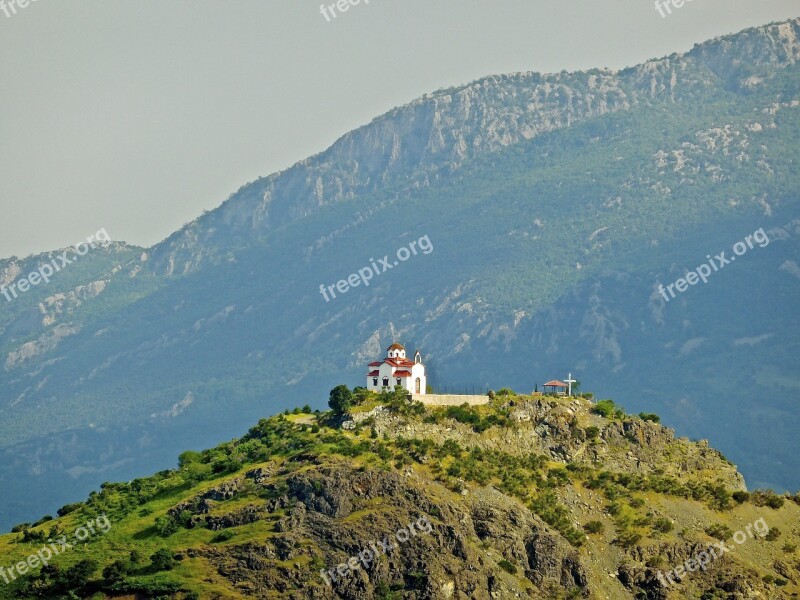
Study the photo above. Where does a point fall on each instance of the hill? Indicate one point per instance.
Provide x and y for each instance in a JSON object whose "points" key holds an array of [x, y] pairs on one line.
{"points": [[529, 496], [555, 205]]}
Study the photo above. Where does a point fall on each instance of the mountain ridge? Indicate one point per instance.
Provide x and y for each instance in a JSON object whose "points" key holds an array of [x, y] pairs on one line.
{"points": [[561, 241]]}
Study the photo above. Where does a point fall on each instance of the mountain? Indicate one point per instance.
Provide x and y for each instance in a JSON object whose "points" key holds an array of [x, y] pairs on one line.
{"points": [[529, 496], [544, 213]]}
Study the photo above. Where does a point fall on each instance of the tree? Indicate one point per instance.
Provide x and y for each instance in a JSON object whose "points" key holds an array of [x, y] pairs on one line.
{"points": [[341, 399]]}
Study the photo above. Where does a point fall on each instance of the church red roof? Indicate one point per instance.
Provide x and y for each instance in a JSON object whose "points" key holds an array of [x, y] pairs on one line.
{"points": [[399, 362], [402, 374], [373, 373]]}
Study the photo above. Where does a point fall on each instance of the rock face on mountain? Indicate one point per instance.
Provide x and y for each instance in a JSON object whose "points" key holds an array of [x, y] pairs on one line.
{"points": [[414, 145]]}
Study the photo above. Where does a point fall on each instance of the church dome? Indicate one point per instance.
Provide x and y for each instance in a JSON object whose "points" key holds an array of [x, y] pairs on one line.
{"points": [[396, 346]]}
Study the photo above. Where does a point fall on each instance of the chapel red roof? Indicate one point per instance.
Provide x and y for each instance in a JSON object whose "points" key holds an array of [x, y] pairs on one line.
{"points": [[402, 374], [373, 373], [399, 362]]}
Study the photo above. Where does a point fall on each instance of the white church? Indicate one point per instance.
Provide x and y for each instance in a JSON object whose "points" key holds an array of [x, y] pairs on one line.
{"points": [[395, 370]]}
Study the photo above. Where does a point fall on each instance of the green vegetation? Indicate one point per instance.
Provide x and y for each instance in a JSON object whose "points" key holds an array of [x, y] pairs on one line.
{"points": [[507, 566], [609, 410], [163, 516], [341, 399]]}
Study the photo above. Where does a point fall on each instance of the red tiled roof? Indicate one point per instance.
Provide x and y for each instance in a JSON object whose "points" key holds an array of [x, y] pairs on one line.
{"points": [[399, 362], [402, 374], [373, 373], [396, 346], [556, 383]]}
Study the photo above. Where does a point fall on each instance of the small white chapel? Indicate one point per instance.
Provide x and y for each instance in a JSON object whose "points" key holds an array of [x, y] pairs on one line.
{"points": [[396, 369]]}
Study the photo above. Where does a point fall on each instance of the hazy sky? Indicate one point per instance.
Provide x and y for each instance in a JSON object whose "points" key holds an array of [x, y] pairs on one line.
{"points": [[136, 115]]}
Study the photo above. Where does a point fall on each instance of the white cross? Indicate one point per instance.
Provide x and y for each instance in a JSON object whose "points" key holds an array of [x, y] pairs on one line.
{"points": [[569, 382]]}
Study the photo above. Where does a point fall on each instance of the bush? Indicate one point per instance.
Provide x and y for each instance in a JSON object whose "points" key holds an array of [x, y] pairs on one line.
{"points": [[741, 497], [719, 531], [505, 392], [593, 527], [223, 536], [767, 498], [652, 417], [663, 525], [116, 571], [628, 539], [162, 560], [68, 508], [592, 433], [508, 567], [166, 525], [607, 409], [773, 534]]}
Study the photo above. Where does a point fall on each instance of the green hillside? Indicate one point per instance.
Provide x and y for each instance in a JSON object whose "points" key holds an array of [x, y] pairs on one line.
{"points": [[534, 495]]}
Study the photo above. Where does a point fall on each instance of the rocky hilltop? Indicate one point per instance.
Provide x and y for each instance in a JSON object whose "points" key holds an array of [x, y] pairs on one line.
{"points": [[526, 497]]}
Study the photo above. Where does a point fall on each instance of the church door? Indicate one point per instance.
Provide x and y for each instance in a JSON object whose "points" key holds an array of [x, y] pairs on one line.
{"points": [[417, 385]]}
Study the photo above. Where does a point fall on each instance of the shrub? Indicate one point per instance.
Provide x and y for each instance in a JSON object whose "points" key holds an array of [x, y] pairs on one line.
{"points": [[663, 525], [507, 567], [741, 497], [593, 527], [162, 560], [719, 531], [628, 539], [766, 498], [223, 536], [68, 508], [166, 525], [652, 417], [605, 408], [773, 534], [592, 433], [116, 571]]}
